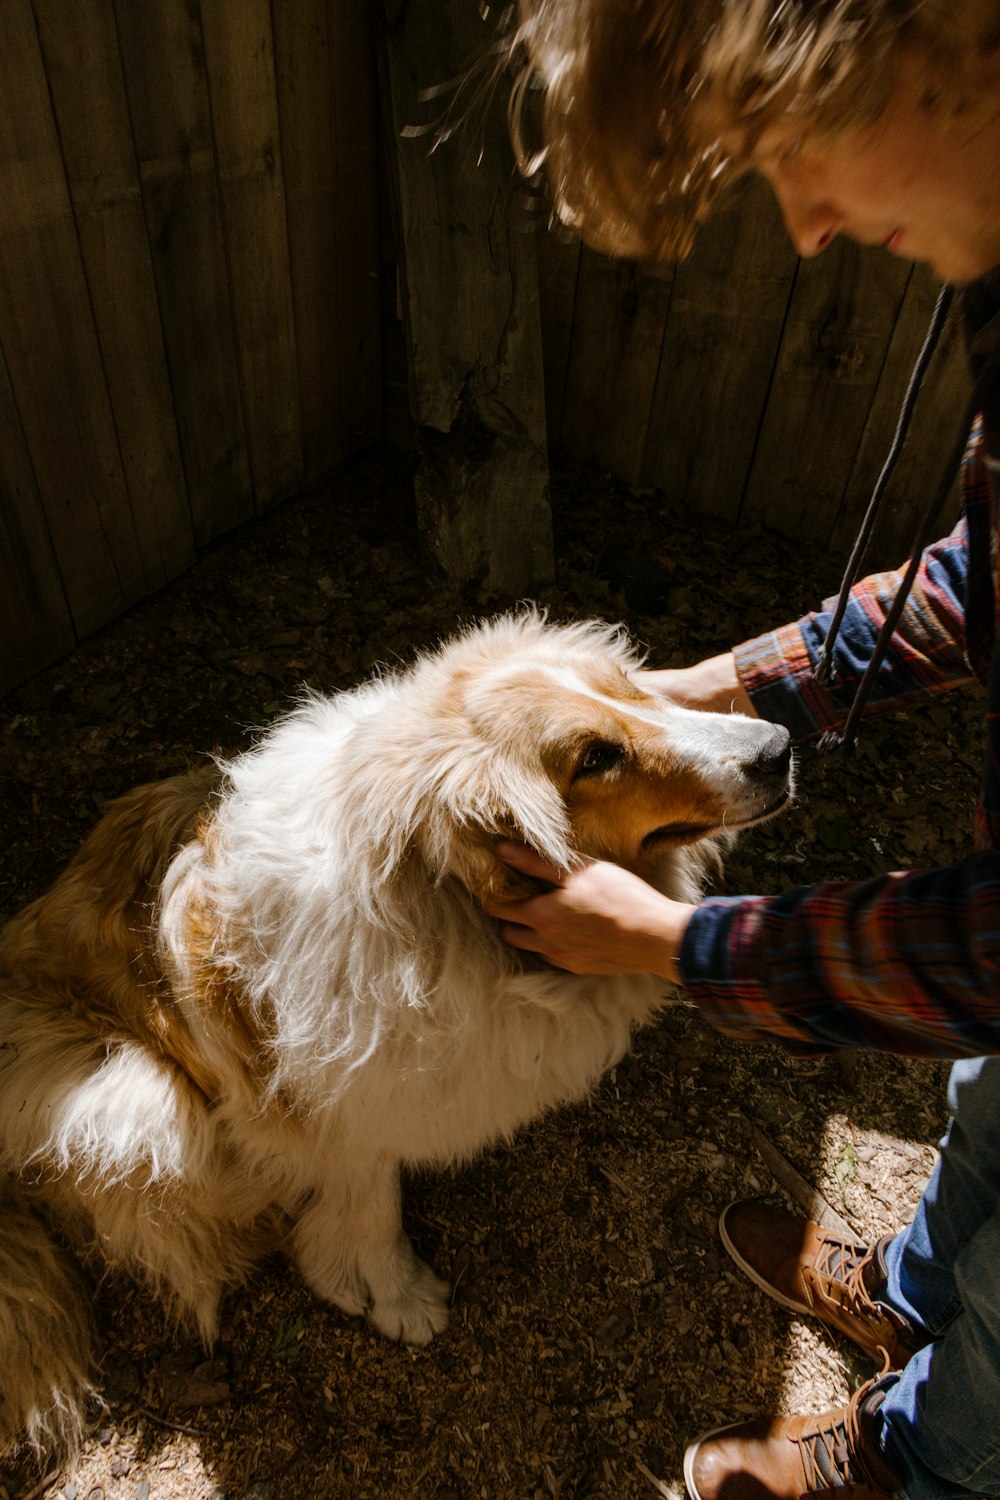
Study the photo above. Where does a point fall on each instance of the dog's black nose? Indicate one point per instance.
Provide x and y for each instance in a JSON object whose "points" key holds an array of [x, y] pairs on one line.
{"points": [[774, 758]]}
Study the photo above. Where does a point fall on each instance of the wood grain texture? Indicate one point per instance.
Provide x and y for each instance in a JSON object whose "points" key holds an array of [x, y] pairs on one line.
{"points": [[239, 58], [164, 64], [51, 348], [843, 309], [189, 288], [191, 294], [80, 42], [315, 230], [354, 115], [619, 321], [557, 256], [35, 622], [471, 314], [726, 319]]}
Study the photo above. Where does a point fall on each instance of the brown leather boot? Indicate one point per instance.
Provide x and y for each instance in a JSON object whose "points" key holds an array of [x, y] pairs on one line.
{"points": [[811, 1270], [785, 1458]]}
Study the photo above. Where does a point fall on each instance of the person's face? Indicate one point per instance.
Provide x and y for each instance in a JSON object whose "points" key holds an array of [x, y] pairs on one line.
{"points": [[924, 183]]}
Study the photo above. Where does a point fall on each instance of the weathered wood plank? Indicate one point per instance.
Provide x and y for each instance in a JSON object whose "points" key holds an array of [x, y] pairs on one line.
{"points": [[558, 256], [354, 116], [163, 62], [240, 67], [47, 332], [35, 624], [304, 84], [471, 314], [729, 302], [843, 309], [80, 42], [619, 317]]}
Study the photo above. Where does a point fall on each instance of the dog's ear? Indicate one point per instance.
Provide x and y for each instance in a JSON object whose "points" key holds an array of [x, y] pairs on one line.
{"points": [[481, 802], [476, 863]]}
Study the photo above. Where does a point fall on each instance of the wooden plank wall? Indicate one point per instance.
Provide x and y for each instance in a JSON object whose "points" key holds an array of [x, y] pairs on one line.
{"points": [[189, 306], [755, 388]]}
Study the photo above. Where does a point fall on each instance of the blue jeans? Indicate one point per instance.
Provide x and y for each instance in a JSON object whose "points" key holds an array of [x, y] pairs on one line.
{"points": [[941, 1414]]}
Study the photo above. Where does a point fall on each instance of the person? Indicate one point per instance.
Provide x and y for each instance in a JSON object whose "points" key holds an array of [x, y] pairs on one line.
{"points": [[879, 120]]}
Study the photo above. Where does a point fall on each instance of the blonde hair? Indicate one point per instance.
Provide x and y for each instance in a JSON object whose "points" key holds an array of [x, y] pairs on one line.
{"points": [[625, 103]]}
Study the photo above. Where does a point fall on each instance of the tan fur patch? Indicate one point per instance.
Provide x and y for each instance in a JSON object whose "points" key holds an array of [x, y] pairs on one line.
{"points": [[87, 944]]}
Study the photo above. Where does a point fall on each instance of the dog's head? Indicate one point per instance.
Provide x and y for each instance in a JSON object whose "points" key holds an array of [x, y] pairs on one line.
{"points": [[540, 733]]}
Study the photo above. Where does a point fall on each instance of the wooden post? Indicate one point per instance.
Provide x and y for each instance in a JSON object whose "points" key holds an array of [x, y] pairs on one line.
{"points": [[469, 294]]}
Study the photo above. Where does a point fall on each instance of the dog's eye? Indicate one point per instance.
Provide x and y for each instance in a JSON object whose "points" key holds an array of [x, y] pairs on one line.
{"points": [[600, 755]]}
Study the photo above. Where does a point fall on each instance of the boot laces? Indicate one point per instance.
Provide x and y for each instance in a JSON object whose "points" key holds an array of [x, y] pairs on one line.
{"points": [[834, 1454], [840, 1264], [827, 1453]]}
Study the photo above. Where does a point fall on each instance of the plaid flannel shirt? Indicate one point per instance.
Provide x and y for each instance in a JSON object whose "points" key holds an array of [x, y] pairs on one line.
{"points": [[905, 963]]}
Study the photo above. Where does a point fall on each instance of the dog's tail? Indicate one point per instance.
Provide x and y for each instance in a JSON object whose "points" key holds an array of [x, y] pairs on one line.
{"points": [[46, 1336]]}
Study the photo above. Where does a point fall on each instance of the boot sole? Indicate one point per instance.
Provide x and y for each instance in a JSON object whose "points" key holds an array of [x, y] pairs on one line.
{"points": [[691, 1453]]}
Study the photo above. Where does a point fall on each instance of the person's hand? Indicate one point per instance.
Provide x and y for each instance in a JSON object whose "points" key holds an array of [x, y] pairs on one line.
{"points": [[712, 685], [599, 919]]}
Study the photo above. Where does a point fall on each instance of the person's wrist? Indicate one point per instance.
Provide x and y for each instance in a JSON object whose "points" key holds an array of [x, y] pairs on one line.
{"points": [[664, 938], [674, 963], [712, 685]]}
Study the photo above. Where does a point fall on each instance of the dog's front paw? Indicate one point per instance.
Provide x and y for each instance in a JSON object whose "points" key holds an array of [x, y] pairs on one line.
{"points": [[415, 1309]]}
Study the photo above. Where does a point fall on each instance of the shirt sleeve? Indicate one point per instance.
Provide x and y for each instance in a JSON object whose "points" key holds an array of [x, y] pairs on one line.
{"points": [[902, 963], [927, 654]]}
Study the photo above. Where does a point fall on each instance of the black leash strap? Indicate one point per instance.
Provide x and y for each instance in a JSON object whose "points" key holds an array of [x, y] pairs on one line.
{"points": [[824, 669], [845, 740]]}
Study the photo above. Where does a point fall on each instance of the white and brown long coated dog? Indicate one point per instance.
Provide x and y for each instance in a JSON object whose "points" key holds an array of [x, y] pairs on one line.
{"points": [[260, 989]]}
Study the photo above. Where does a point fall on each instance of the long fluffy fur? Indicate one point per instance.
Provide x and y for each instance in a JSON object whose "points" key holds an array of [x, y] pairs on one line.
{"points": [[261, 988]]}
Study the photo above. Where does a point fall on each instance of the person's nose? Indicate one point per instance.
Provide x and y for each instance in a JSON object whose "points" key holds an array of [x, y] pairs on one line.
{"points": [[812, 223]]}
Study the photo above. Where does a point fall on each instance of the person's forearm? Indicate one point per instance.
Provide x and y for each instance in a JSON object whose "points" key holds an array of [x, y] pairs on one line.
{"points": [[905, 963], [926, 656], [712, 685]]}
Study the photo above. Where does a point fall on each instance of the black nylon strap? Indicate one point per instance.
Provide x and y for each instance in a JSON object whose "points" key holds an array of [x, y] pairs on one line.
{"points": [[823, 671], [845, 740]]}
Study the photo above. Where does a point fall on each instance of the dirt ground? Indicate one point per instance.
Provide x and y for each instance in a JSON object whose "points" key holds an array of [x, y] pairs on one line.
{"points": [[597, 1324]]}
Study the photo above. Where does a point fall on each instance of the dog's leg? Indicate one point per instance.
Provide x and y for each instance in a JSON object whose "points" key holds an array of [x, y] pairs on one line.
{"points": [[352, 1250], [46, 1359], [130, 1158]]}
